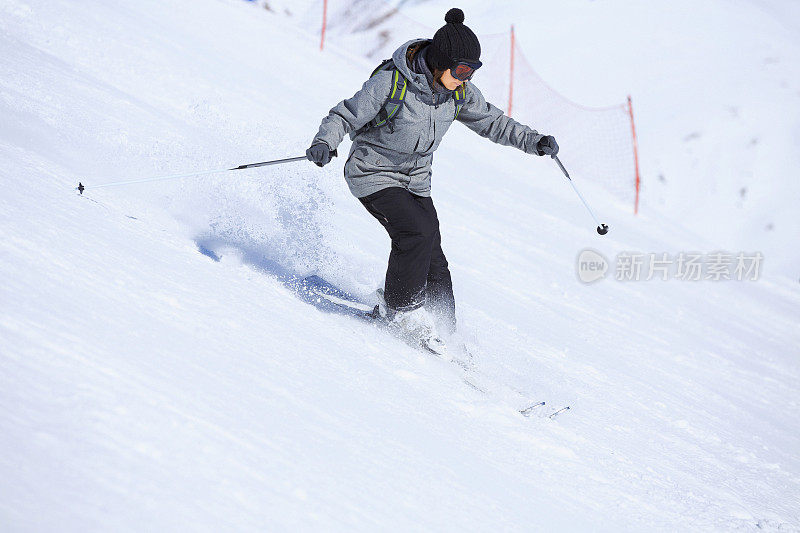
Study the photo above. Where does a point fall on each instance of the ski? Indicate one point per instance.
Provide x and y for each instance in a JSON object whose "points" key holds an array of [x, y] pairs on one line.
{"points": [[529, 410], [327, 297], [552, 416], [357, 306]]}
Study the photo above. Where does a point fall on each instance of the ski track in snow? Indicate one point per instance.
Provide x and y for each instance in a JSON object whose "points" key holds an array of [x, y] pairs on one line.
{"points": [[145, 386]]}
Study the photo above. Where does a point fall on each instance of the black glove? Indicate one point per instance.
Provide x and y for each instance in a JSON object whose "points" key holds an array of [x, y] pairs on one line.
{"points": [[547, 145], [319, 153]]}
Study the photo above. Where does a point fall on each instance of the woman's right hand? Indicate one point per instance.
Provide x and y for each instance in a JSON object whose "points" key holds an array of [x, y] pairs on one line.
{"points": [[319, 154]]}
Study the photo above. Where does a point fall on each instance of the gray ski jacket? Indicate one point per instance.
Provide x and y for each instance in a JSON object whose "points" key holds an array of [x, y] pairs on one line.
{"points": [[400, 154]]}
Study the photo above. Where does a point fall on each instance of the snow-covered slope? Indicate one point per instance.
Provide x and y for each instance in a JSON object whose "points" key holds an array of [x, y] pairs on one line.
{"points": [[145, 386]]}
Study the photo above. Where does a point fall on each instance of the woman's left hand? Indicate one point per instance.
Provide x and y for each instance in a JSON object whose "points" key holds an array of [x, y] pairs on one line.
{"points": [[547, 145]]}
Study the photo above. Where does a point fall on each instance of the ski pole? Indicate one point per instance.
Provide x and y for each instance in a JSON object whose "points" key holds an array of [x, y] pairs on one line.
{"points": [[602, 229], [81, 187]]}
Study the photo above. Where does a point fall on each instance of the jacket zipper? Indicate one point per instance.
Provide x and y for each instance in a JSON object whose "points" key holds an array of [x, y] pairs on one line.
{"points": [[433, 128]]}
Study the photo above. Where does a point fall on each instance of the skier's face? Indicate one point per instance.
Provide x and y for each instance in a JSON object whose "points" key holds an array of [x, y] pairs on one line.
{"points": [[449, 81]]}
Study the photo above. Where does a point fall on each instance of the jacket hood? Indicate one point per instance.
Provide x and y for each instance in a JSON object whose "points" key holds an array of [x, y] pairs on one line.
{"points": [[400, 58]]}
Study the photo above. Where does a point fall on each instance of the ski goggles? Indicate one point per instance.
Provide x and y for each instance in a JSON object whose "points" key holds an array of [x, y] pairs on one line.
{"points": [[464, 69]]}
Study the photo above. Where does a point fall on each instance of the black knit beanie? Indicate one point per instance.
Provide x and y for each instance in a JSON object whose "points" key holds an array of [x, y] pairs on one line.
{"points": [[452, 41]]}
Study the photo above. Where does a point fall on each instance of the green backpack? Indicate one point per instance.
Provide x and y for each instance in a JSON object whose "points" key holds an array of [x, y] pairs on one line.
{"points": [[398, 94]]}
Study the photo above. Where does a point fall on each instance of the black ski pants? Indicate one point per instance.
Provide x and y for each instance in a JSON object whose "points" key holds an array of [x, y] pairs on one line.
{"points": [[417, 274]]}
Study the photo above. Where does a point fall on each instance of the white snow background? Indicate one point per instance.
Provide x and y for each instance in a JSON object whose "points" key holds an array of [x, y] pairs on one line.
{"points": [[145, 386]]}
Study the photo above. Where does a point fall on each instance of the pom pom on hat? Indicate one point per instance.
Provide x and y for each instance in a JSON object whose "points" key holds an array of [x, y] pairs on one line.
{"points": [[454, 16]]}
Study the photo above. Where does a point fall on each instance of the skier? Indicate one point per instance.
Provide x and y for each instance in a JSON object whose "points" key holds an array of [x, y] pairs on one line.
{"points": [[396, 122]]}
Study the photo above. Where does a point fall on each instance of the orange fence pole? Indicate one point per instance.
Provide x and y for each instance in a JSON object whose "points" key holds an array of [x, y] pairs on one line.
{"points": [[635, 156], [511, 75], [324, 23]]}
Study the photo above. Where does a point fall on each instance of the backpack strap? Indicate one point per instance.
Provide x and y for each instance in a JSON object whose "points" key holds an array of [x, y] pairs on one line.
{"points": [[395, 101], [385, 65], [460, 96]]}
